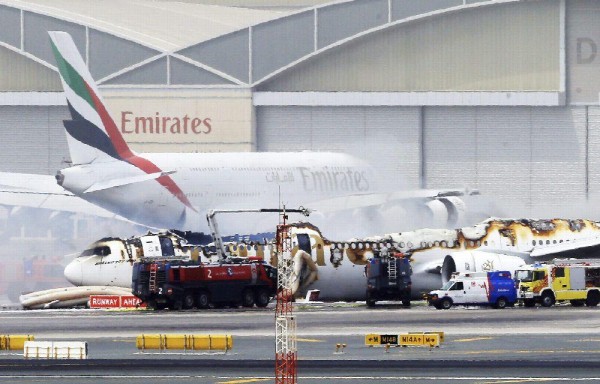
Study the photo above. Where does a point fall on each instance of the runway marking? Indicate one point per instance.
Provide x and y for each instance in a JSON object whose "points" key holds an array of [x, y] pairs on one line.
{"points": [[473, 339], [249, 379], [530, 380], [430, 378], [311, 340]]}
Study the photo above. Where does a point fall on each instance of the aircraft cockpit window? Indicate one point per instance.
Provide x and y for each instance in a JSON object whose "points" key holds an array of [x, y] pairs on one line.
{"points": [[99, 251], [166, 244]]}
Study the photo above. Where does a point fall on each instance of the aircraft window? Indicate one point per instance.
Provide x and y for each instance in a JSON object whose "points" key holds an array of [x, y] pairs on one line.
{"points": [[533, 242], [401, 244], [443, 244], [547, 241], [423, 244], [242, 247], [485, 243], [437, 243], [554, 241], [409, 244], [166, 245], [560, 241]]}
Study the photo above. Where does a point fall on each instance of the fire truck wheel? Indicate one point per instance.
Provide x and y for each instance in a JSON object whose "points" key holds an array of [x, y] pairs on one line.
{"points": [[446, 303], [593, 299], [406, 303], [547, 299], [248, 298], [500, 303], [188, 301], [203, 300], [262, 298]]}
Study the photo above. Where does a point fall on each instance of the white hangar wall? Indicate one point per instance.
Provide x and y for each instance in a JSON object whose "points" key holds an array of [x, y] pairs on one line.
{"points": [[528, 157], [32, 139]]}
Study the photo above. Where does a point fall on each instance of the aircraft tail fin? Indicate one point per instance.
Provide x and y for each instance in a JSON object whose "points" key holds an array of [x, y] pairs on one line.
{"points": [[92, 134]]}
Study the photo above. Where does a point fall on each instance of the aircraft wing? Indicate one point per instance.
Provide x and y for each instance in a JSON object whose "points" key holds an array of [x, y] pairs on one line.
{"points": [[377, 199], [573, 248], [42, 191]]}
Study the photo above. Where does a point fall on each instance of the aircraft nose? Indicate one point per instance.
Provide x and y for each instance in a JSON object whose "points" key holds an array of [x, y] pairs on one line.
{"points": [[73, 272]]}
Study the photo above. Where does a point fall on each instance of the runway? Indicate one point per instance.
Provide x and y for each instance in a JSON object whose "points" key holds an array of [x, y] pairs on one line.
{"points": [[482, 345]]}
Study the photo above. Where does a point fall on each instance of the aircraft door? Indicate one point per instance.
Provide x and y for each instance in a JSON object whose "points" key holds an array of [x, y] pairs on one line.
{"points": [[507, 239], [304, 242]]}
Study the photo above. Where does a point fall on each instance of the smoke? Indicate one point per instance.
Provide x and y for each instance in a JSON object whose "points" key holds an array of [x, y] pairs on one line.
{"points": [[37, 244]]}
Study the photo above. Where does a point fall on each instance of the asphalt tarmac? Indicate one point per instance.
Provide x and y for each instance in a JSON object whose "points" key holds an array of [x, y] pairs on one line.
{"points": [[482, 345]]}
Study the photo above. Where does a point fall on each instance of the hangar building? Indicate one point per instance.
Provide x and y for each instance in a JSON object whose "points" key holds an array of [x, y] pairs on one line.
{"points": [[500, 95]]}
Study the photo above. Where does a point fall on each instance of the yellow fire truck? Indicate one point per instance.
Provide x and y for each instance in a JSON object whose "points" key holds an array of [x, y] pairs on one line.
{"points": [[575, 280]]}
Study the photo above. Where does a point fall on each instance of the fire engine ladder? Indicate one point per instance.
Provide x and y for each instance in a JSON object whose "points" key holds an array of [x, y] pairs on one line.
{"points": [[392, 270], [152, 280]]}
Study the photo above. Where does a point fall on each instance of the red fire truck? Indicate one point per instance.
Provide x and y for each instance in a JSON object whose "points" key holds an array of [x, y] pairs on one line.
{"points": [[179, 284]]}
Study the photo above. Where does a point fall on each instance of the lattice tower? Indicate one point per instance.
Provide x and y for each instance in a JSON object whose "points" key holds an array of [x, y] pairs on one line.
{"points": [[285, 322]]}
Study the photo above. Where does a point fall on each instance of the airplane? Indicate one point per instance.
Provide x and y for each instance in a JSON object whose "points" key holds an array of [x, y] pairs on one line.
{"points": [[175, 190], [336, 268], [105, 267]]}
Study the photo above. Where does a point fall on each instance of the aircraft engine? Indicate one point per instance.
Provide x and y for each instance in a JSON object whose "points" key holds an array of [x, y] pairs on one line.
{"points": [[446, 211], [456, 210], [438, 214], [478, 261]]}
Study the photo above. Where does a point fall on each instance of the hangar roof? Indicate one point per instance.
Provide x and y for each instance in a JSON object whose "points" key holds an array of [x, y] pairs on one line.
{"points": [[196, 44], [161, 25]]}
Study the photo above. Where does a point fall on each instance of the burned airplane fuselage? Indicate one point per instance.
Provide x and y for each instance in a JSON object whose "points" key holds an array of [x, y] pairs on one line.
{"points": [[493, 244]]}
